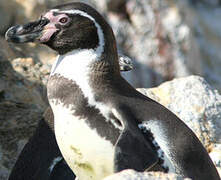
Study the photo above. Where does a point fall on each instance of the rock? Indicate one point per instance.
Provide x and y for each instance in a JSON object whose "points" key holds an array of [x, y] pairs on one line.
{"points": [[215, 155], [6, 15], [116, 6], [18, 121], [198, 105], [166, 39], [11, 12], [34, 72], [21, 106], [133, 175], [32, 9], [202, 16], [195, 102], [14, 87], [155, 35]]}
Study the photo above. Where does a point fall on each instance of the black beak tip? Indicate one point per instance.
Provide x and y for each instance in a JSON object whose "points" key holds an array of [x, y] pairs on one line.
{"points": [[10, 34], [29, 32]]}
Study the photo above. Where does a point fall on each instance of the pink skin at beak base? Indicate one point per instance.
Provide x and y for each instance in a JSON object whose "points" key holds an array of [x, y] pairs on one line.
{"points": [[48, 31], [50, 28]]}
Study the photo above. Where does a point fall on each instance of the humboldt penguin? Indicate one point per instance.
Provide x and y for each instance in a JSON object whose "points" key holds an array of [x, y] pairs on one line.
{"points": [[102, 124]]}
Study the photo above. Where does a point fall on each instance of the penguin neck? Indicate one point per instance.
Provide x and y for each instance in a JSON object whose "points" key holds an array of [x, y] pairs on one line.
{"points": [[86, 62], [86, 67]]}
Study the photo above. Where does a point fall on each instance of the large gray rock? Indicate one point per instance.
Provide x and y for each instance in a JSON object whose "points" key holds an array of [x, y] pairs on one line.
{"points": [[21, 107], [166, 39], [195, 102], [156, 36], [203, 17], [152, 32], [198, 105], [21, 79], [163, 38]]}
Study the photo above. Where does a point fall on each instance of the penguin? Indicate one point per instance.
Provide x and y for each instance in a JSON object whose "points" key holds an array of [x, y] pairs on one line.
{"points": [[41, 157], [102, 124]]}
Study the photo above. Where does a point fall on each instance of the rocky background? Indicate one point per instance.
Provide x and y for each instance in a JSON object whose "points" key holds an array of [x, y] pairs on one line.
{"points": [[166, 39]]}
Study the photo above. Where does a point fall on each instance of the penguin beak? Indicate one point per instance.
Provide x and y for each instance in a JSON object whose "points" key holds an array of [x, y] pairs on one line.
{"points": [[31, 32]]}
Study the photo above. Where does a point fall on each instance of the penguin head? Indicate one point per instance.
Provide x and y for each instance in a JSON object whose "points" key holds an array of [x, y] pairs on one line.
{"points": [[66, 28], [71, 27]]}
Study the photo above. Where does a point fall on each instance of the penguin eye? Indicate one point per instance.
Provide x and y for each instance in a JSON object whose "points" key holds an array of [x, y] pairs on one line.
{"points": [[63, 20]]}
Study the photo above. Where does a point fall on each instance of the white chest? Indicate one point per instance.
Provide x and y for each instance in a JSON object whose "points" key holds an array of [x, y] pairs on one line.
{"points": [[89, 155]]}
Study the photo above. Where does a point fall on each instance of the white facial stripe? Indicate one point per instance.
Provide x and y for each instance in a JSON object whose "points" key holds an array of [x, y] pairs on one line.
{"points": [[118, 116], [100, 33], [75, 65]]}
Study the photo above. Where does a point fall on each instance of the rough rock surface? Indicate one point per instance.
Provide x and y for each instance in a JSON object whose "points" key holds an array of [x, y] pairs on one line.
{"points": [[198, 105], [21, 107], [203, 17], [195, 102], [21, 79], [152, 32], [166, 39], [133, 175]]}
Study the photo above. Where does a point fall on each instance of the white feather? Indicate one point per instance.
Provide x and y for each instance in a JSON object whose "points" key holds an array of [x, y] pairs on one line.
{"points": [[88, 154]]}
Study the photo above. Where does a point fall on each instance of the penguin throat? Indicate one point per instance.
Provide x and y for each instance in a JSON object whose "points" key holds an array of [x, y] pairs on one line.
{"points": [[78, 66]]}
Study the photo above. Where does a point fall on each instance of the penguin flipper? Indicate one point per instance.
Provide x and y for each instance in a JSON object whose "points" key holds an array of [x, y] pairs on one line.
{"points": [[36, 158], [132, 150]]}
